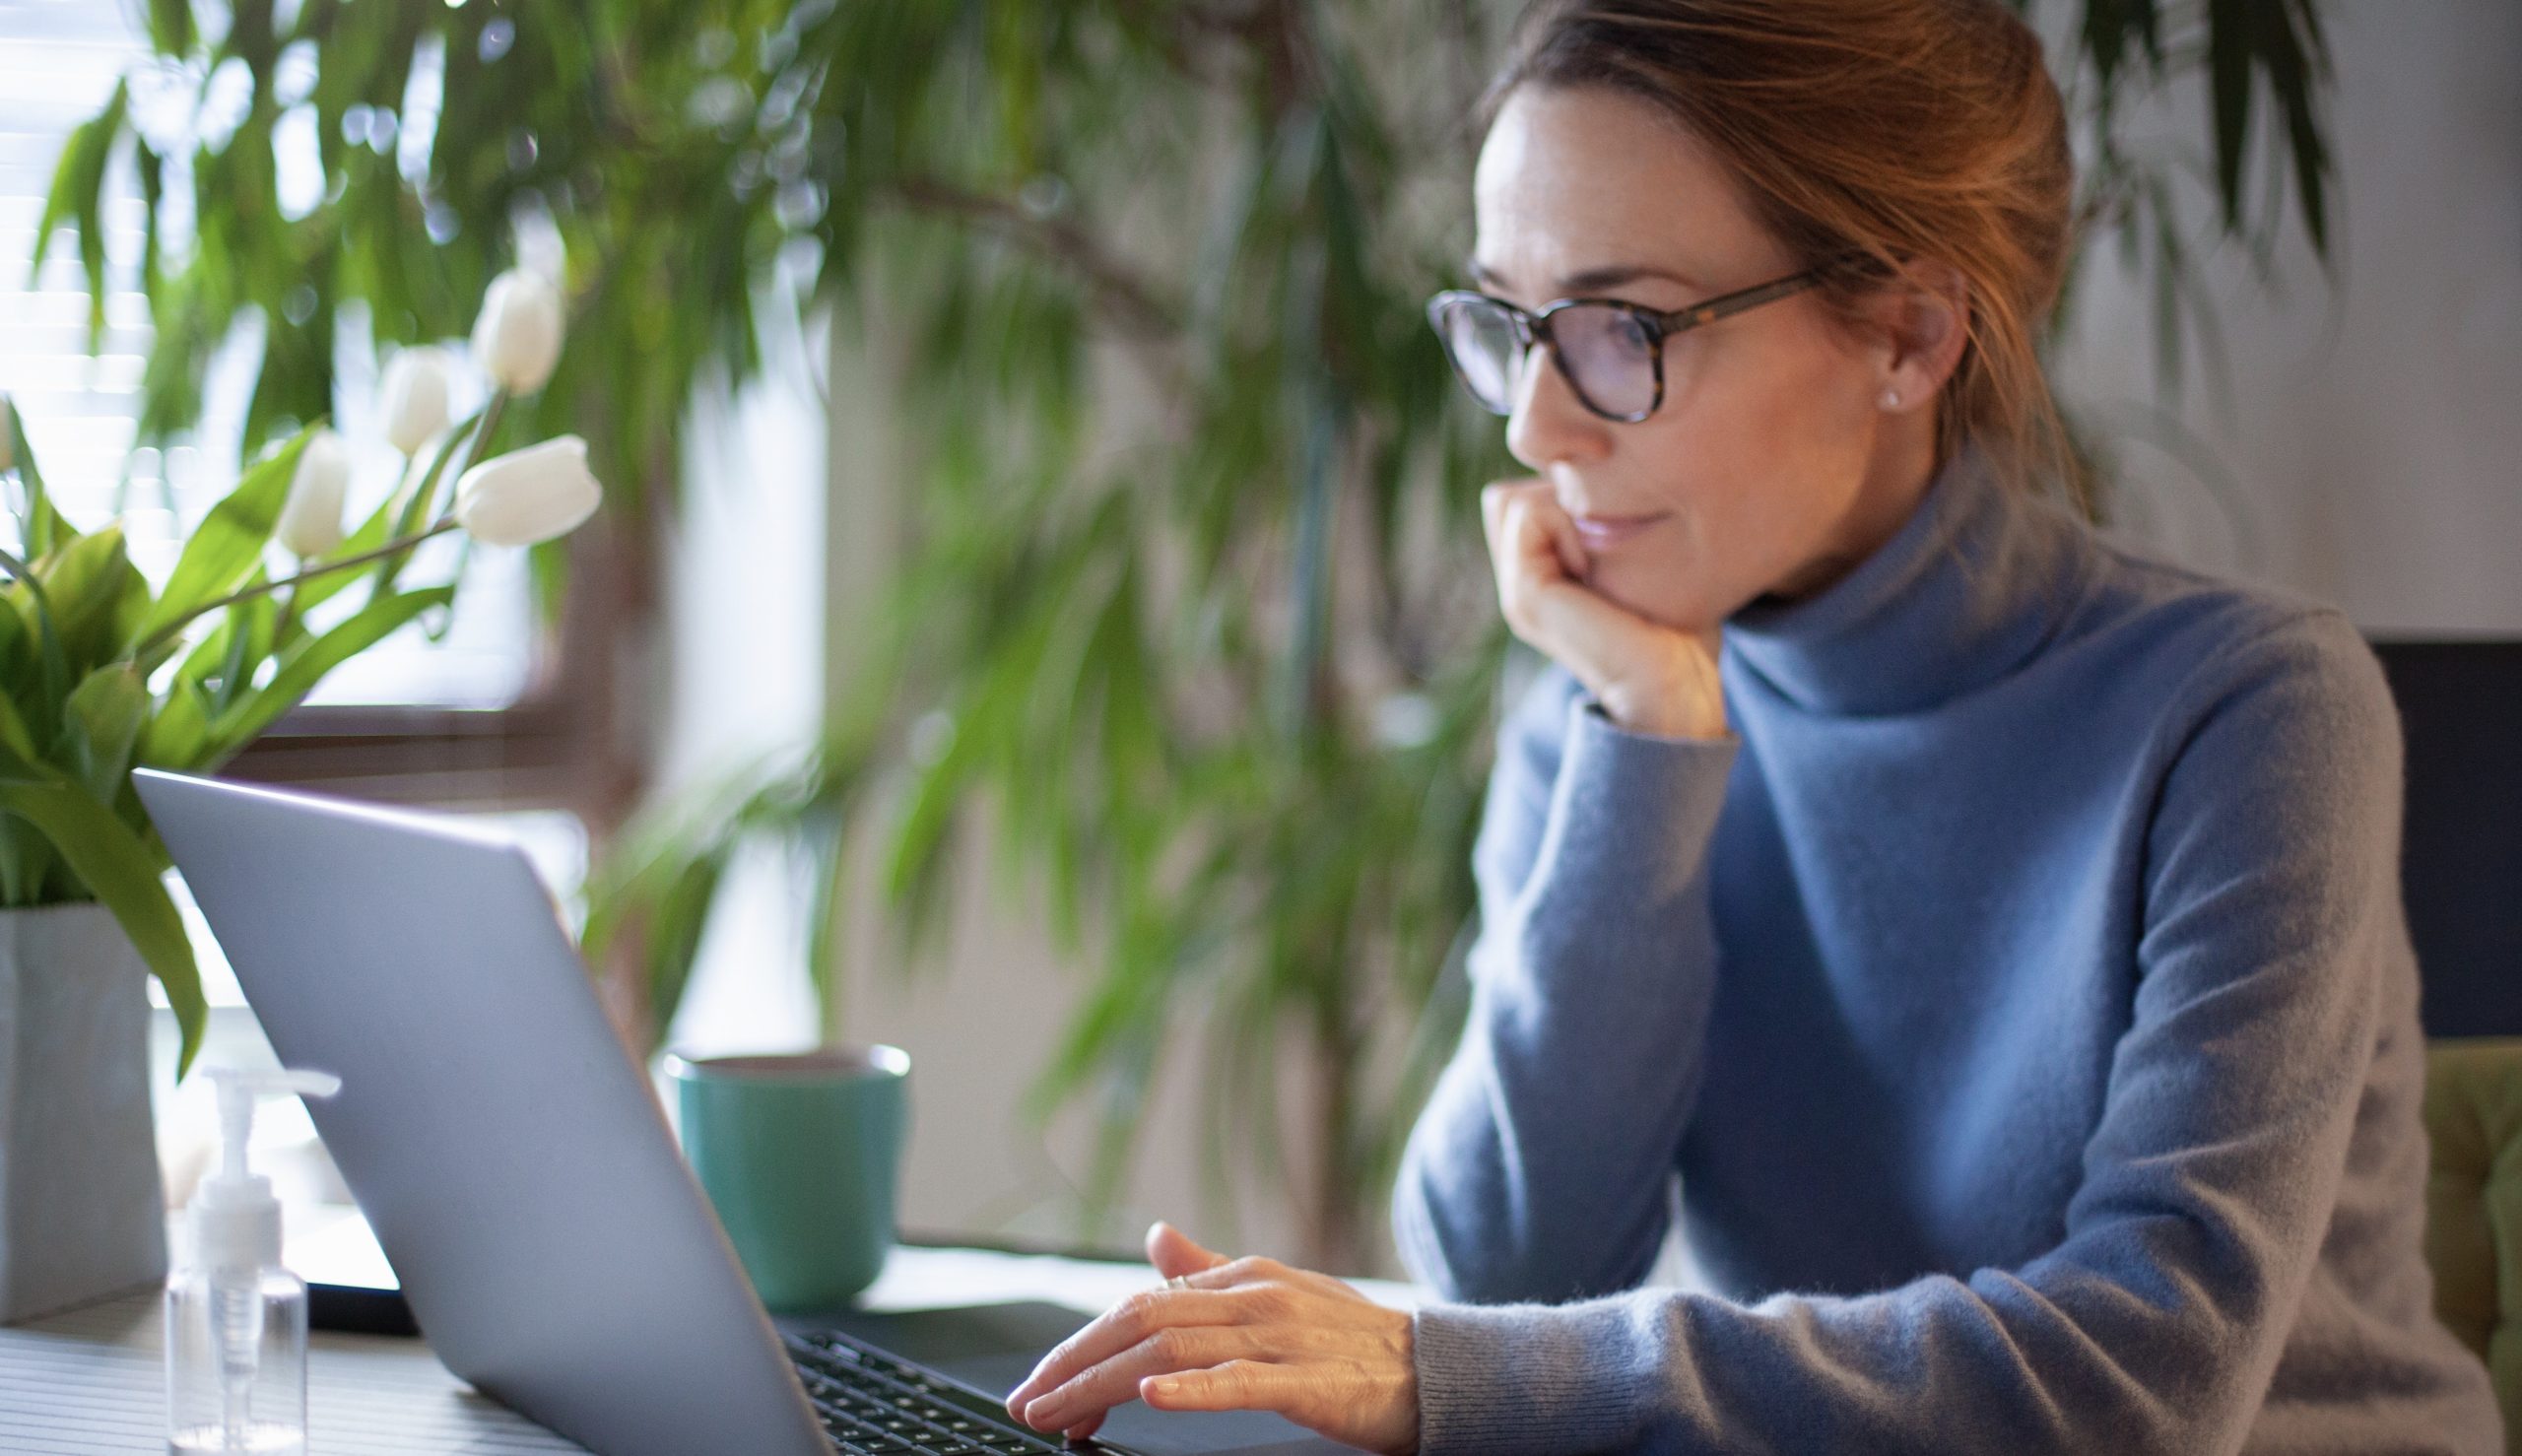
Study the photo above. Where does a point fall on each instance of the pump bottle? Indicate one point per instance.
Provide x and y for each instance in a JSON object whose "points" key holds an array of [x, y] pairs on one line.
{"points": [[236, 1318]]}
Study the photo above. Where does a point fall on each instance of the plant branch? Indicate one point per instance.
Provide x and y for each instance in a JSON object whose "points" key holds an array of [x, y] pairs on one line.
{"points": [[1132, 299]]}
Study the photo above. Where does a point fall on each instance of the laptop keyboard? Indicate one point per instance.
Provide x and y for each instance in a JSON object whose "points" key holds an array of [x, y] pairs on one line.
{"points": [[874, 1404]]}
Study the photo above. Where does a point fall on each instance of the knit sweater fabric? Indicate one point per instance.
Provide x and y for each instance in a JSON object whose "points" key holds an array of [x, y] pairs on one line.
{"points": [[2023, 999]]}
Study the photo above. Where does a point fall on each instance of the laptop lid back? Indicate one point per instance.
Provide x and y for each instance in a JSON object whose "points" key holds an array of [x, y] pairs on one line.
{"points": [[509, 1152]]}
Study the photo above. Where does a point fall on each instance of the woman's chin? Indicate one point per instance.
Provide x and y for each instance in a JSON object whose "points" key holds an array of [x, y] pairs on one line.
{"points": [[1682, 611]]}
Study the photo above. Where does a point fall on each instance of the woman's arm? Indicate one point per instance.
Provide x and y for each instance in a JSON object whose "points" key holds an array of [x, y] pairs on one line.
{"points": [[2272, 921], [1539, 1169]]}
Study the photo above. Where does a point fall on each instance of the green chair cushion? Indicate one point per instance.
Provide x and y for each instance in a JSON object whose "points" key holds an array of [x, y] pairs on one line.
{"points": [[2473, 1201]]}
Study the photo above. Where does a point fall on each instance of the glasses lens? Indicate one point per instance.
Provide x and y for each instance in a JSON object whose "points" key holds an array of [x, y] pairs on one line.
{"points": [[1479, 337], [1609, 356]]}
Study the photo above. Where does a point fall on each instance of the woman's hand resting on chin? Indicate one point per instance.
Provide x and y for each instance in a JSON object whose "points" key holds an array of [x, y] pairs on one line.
{"points": [[1237, 1334], [1650, 678]]}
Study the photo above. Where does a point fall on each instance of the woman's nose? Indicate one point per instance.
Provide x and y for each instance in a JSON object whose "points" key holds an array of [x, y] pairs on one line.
{"points": [[1547, 423]]}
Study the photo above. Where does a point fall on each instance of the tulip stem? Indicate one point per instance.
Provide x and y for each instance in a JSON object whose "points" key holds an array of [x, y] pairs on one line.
{"points": [[175, 628], [473, 441]]}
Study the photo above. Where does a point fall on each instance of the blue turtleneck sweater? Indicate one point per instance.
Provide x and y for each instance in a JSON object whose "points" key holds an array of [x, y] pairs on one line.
{"points": [[2023, 999]]}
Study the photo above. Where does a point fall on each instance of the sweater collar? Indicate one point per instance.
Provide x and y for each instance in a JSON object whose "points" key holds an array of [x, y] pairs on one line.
{"points": [[1978, 577]]}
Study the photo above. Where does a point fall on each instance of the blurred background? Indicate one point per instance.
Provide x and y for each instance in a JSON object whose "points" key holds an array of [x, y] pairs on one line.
{"points": [[1037, 619]]}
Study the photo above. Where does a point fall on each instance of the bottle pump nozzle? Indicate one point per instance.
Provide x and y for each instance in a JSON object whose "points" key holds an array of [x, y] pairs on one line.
{"points": [[235, 1217]]}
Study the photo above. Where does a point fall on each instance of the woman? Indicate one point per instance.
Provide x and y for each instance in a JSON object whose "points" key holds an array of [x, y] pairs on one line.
{"points": [[1997, 932]]}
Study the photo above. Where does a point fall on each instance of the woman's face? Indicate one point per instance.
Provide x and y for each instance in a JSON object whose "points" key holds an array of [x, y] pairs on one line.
{"points": [[1774, 464]]}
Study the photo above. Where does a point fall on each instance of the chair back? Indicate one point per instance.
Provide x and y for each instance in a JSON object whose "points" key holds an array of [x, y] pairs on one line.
{"points": [[2461, 709], [2473, 1206]]}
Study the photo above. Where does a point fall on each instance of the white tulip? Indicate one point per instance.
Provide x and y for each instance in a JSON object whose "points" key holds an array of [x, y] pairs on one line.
{"points": [[311, 519], [8, 433], [517, 339], [415, 398], [528, 496]]}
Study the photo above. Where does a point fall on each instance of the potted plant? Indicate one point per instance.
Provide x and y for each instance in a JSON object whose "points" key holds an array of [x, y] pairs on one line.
{"points": [[102, 671]]}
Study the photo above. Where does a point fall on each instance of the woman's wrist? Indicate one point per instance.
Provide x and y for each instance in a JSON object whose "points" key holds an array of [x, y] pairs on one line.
{"points": [[1664, 711]]}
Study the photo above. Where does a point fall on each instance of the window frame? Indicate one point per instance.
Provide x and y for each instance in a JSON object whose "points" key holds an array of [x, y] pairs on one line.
{"points": [[564, 743]]}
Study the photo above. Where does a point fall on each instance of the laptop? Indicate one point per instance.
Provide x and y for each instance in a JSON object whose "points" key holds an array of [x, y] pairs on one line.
{"points": [[519, 1173]]}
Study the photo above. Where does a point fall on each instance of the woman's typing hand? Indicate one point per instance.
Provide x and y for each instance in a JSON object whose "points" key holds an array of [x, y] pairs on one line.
{"points": [[1649, 678], [1236, 1334]]}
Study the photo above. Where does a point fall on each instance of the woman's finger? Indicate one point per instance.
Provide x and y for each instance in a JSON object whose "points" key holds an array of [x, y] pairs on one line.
{"points": [[1235, 1385], [1117, 1380], [1529, 534], [1558, 529], [1174, 1253], [1118, 1328], [1348, 1404], [1234, 1272], [1523, 556]]}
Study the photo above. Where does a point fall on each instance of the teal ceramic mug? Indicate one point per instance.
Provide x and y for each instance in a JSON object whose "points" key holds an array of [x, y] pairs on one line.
{"points": [[799, 1153]]}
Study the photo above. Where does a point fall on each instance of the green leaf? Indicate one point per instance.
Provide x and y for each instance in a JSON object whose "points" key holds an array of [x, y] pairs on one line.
{"points": [[248, 629], [228, 543], [54, 678], [681, 918], [170, 27], [178, 736], [101, 723], [98, 597], [2296, 56], [309, 594], [26, 860], [41, 528], [17, 643], [117, 866], [16, 737], [302, 670], [76, 195], [829, 861], [2229, 80]]}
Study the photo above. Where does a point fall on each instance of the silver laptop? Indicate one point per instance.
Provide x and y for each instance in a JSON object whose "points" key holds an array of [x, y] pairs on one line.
{"points": [[517, 1169]]}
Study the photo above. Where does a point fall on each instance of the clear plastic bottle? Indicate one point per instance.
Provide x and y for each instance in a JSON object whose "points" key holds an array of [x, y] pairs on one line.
{"points": [[217, 1401], [236, 1326]]}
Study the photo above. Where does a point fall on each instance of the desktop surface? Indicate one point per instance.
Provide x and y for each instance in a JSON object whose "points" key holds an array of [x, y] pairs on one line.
{"points": [[91, 1380]]}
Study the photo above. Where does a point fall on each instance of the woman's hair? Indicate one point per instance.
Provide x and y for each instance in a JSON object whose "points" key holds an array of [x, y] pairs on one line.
{"points": [[1866, 134]]}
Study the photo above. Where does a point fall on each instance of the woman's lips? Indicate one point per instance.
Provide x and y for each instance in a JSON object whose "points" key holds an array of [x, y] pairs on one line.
{"points": [[1603, 532]]}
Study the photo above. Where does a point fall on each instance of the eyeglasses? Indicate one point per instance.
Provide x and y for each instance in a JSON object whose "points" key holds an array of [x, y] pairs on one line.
{"points": [[1610, 353]]}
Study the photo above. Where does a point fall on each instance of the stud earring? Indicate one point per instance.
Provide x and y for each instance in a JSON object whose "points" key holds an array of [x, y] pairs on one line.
{"points": [[1890, 399]]}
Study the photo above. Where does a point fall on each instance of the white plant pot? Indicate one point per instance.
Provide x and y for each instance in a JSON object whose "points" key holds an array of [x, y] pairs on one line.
{"points": [[81, 1215]]}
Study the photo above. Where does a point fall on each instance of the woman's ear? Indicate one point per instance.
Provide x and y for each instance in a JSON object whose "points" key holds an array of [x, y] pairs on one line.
{"points": [[1922, 323]]}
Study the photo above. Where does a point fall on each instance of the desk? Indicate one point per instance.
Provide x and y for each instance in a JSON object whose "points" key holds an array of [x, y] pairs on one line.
{"points": [[91, 1382]]}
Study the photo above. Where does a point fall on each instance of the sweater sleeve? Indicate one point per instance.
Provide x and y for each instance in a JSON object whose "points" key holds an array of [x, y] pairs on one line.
{"points": [[1539, 1169], [2271, 908]]}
